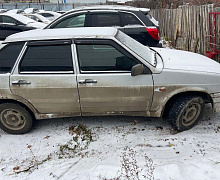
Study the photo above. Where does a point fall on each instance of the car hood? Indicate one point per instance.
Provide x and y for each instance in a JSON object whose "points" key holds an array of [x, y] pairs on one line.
{"points": [[188, 61]]}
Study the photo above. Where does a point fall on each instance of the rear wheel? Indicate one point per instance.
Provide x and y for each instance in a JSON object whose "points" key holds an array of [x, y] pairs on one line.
{"points": [[14, 118], [185, 112]]}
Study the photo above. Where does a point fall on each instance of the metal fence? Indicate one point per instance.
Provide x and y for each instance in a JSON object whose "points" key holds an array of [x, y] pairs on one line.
{"points": [[45, 6]]}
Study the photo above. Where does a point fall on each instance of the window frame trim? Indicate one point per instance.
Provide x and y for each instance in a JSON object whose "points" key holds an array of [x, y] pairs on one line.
{"points": [[111, 42], [19, 54], [44, 43]]}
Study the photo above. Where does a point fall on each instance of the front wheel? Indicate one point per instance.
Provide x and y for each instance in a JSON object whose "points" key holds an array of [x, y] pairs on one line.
{"points": [[186, 111], [14, 118]]}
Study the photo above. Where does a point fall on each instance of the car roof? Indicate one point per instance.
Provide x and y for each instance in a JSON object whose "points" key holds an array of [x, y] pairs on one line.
{"points": [[110, 7], [62, 33]]}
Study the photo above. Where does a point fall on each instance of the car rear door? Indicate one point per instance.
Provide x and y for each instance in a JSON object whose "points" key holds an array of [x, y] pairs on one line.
{"points": [[105, 83], [46, 78]]}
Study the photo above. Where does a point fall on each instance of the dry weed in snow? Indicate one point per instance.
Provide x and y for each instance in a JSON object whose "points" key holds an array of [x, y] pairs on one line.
{"points": [[80, 141], [98, 148]]}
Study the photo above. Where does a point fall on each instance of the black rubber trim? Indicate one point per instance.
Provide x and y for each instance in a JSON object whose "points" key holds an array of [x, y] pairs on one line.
{"points": [[48, 42]]}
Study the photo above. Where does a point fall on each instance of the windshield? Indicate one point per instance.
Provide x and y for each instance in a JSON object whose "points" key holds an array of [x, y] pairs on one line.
{"points": [[138, 48]]}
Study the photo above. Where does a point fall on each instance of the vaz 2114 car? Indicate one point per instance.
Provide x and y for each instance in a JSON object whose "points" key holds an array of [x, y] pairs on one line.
{"points": [[69, 72]]}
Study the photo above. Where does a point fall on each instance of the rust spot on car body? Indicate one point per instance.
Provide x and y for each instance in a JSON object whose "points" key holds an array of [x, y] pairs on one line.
{"points": [[60, 115]]}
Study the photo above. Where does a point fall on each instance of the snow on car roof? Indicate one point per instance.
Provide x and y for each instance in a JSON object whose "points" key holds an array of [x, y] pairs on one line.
{"points": [[62, 33], [111, 7]]}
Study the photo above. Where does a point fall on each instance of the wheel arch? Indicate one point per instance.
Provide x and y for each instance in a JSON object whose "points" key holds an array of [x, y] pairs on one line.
{"points": [[30, 110], [207, 98]]}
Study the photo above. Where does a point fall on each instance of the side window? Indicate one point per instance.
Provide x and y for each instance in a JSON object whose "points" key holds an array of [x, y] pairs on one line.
{"points": [[130, 19], [103, 57], [8, 56], [7, 19], [47, 58], [73, 21], [105, 19], [46, 14], [34, 18]]}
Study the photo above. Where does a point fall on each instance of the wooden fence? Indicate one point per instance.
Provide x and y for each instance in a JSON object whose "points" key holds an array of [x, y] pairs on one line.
{"points": [[188, 26]]}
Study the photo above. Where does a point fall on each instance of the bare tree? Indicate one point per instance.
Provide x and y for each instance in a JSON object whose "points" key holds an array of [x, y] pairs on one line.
{"points": [[156, 4]]}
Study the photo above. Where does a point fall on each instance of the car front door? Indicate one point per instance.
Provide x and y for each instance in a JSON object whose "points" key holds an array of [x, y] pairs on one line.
{"points": [[46, 78], [105, 83]]}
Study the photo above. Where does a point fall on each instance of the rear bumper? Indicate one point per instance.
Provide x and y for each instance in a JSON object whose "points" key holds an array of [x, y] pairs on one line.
{"points": [[216, 102]]}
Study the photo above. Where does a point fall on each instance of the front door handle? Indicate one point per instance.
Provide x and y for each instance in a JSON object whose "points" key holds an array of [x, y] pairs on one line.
{"points": [[87, 81], [21, 82]]}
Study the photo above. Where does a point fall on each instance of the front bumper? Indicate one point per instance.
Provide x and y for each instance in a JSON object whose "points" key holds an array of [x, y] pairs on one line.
{"points": [[216, 102]]}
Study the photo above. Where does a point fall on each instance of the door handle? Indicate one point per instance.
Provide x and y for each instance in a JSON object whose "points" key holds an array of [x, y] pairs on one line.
{"points": [[21, 82], [87, 81]]}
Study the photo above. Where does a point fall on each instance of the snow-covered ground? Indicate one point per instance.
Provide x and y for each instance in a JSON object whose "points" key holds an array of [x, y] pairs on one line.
{"points": [[112, 147]]}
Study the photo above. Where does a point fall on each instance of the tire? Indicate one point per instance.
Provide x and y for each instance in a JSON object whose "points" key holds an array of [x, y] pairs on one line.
{"points": [[186, 112], [15, 119]]}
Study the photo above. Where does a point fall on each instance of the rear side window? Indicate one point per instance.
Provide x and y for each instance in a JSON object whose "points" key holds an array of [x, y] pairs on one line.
{"points": [[130, 19], [8, 56], [70, 22], [47, 58], [34, 18], [105, 19], [46, 14]]}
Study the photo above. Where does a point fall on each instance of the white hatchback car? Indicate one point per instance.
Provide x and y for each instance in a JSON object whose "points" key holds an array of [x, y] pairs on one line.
{"points": [[54, 73]]}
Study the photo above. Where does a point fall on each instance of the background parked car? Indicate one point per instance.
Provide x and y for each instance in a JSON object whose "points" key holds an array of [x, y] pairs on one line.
{"points": [[15, 11], [38, 18], [31, 10], [3, 10], [49, 14], [135, 22], [14, 23]]}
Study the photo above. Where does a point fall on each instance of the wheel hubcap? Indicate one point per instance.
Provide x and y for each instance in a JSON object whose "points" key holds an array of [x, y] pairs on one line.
{"points": [[191, 114], [12, 119]]}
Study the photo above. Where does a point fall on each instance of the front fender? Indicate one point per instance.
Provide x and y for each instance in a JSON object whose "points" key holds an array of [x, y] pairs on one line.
{"points": [[162, 94]]}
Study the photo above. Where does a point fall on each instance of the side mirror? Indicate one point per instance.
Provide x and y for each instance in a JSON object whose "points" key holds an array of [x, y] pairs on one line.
{"points": [[137, 70]]}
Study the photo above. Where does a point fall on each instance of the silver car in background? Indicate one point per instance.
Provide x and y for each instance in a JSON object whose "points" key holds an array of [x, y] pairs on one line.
{"points": [[68, 72]]}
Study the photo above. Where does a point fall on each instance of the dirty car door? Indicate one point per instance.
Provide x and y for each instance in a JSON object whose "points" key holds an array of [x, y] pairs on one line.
{"points": [[45, 77], [105, 82]]}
